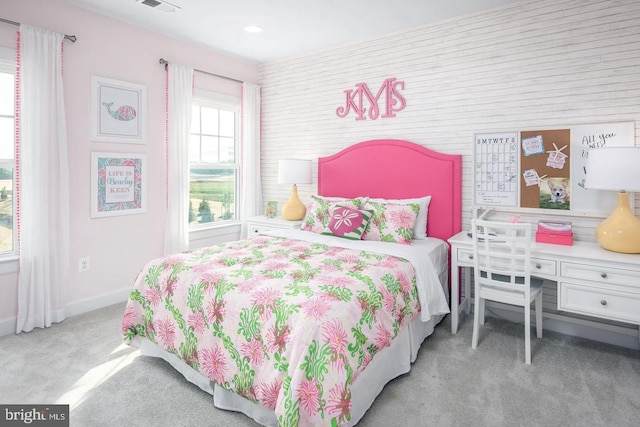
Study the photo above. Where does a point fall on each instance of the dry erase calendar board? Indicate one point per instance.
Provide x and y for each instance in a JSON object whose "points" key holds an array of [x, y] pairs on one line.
{"points": [[544, 169]]}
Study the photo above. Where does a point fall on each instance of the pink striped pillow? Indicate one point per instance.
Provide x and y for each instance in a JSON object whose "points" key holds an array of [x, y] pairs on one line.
{"points": [[348, 223]]}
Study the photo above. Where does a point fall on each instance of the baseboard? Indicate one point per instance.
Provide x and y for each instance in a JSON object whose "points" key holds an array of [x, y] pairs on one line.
{"points": [[589, 329], [8, 326], [93, 303]]}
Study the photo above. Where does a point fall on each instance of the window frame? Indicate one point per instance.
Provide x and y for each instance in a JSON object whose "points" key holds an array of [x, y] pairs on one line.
{"points": [[205, 98], [8, 260]]}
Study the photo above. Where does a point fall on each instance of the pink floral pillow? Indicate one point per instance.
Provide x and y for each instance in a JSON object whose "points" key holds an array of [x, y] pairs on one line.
{"points": [[391, 222], [319, 211], [348, 223]]}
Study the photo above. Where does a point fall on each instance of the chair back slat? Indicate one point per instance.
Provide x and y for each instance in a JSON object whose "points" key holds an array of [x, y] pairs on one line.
{"points": [[502, 255]]}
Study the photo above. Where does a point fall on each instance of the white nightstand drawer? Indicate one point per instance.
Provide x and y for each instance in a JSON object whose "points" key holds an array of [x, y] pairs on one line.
{"points": [[257, 229], [258, 224], [600, 273], [611, 304], [538, 265]]}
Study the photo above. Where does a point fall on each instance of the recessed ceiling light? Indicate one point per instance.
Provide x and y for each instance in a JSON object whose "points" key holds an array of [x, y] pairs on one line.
{"points": [[252, 29]]}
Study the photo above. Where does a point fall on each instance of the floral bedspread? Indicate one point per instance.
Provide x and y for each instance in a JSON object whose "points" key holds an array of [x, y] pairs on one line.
{"points": [[287, 324]]}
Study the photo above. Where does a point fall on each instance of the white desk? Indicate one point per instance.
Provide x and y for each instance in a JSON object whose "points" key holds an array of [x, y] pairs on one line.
{"points": [[591, 281]]}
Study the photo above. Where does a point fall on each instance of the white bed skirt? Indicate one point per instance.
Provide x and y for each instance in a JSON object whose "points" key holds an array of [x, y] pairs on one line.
{"points": [[390, 363]]}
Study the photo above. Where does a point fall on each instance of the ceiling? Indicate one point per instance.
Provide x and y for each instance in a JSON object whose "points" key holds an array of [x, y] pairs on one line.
{"points": [[290, 27]]}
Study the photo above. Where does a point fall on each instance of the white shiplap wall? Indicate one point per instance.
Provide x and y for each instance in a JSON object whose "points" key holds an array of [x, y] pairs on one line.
{"points": [[528, 65]]}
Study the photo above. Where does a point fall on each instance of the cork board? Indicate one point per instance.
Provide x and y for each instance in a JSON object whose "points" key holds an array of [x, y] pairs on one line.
{"points": [[545, 162]]}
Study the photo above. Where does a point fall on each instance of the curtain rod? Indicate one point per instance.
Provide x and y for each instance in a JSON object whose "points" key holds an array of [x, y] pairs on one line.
{"points": [[17, 24], [165, 63]]}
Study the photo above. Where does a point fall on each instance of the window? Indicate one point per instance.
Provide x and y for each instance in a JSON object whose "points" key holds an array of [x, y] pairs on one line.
{"points": [[7, 159], [213, 162]]}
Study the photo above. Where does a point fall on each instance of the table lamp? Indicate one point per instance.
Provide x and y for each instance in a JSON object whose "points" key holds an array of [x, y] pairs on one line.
{"points": [[616, 168], [294, 171]]}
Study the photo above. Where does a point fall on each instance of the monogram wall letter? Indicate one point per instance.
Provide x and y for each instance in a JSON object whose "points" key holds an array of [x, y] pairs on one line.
{"points": [[393, 100]]}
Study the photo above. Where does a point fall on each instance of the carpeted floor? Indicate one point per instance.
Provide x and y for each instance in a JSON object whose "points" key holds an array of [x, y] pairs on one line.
{"points": [[572, 382]]}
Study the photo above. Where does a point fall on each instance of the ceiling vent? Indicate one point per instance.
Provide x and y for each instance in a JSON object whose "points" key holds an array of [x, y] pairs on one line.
{"points": [[162, 6]]}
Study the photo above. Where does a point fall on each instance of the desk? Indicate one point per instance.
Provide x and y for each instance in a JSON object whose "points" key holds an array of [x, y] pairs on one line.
{"points": [[591, 281]]}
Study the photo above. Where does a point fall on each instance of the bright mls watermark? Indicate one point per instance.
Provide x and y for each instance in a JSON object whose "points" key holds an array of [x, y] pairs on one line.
{"points": [[34, 415]]}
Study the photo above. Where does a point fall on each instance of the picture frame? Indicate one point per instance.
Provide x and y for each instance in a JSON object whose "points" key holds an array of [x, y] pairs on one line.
{"points": [[118, 184], [271, 209], [118, 111]]}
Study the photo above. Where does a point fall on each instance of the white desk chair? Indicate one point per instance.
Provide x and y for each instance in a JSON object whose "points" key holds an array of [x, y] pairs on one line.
{"points": [[502, 272]]}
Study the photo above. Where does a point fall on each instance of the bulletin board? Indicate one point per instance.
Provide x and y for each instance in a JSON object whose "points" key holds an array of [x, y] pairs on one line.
{"points": [[544, 170], [545, 164]]}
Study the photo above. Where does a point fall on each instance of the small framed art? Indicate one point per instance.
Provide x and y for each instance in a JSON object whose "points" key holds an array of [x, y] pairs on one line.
{"points": [[118, 111], [118, 184], [271, 210]]}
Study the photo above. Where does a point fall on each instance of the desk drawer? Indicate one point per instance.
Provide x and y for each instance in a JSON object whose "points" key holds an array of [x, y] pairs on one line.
{"points": [[607, 303], [465, 256], [538, 265], [600, 273]]}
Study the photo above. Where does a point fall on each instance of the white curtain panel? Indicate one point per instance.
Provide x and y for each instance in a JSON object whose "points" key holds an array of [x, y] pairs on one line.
{"points": [[179, 100], [250, 185], [43, 181]]}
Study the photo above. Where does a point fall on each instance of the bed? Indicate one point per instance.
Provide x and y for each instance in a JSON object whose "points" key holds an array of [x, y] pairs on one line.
{"points": [[300, 327]]}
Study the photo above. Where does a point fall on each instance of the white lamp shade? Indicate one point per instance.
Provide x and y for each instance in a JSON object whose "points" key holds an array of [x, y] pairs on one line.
{"points": [[294, 171], [613, 168]]}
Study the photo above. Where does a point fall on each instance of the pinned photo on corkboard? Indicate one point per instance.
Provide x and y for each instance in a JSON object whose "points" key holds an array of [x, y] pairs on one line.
{"points": [[555, 193]]}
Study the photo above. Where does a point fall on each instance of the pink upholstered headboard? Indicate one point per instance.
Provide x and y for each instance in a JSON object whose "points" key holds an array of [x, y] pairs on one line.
{"points": [[395, 169]]}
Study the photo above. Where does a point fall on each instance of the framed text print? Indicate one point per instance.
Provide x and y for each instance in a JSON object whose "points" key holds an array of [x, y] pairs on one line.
{"points": [[118, 184], [118, 111]]}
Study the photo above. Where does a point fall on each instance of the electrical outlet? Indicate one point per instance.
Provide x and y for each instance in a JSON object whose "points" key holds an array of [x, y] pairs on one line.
{"points": [[84, 264]]}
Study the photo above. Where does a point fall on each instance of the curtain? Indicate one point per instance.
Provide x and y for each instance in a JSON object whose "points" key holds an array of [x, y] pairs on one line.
{"points": [[179, 105], [42, 174], [250, 185]]}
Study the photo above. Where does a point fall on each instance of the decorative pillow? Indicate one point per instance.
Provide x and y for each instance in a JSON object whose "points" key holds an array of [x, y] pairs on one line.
{"points": [[319, 211], [420, 229], [348, 223], [392, 222]]}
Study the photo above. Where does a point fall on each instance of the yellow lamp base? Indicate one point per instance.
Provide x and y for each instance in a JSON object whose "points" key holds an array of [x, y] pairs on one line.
{"points": [[294, 209], [621, 231]]}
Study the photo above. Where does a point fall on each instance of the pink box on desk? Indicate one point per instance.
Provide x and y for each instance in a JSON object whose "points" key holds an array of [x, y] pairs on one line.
{"points": [[558, 227], [555, 238]]}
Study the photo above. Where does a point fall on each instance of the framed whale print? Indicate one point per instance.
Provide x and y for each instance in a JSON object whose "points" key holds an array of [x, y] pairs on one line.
{"points": [[118, 111]]}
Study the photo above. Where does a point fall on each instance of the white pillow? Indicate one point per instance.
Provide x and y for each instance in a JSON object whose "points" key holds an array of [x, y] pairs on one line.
{"points": [[420, 229]]}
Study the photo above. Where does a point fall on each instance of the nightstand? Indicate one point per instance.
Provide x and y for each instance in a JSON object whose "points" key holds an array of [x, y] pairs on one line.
{"points": [[261, 223]]}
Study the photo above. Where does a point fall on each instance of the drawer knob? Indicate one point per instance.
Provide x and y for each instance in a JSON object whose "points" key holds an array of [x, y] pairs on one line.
{"points": [[470, 256], [538, 266], [603, 302], [603, 275]]}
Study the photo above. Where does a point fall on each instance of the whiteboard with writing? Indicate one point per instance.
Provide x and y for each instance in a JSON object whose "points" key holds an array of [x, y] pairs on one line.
{"points": [[583, 138]]}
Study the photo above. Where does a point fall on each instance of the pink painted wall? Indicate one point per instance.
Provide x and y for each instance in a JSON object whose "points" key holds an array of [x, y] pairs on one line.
{"points": [[118, 246]]}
